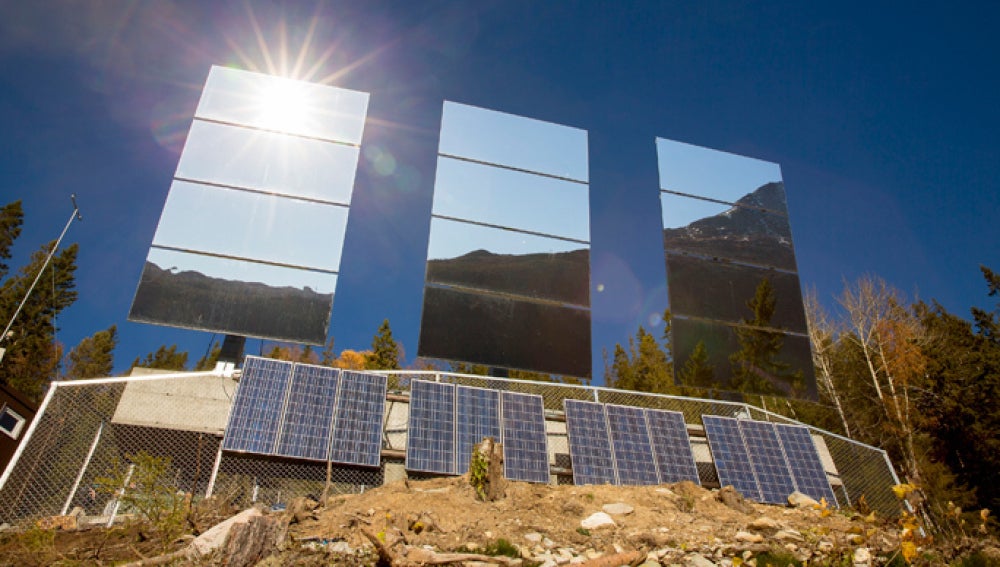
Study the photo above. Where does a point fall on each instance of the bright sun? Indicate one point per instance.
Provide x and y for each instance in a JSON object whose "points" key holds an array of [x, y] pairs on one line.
{"points": [[283, 106]]}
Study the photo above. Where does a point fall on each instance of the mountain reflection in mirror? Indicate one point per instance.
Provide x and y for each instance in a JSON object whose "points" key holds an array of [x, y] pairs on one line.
{"points": [[513, 199], [507, 261], [514, 141], [232, 296], [267, 161], [725, 231], [703, 172], [256, 226]]}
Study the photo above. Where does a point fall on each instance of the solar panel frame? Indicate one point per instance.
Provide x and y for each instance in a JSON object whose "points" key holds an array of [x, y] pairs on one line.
{"points": [[477, 416], [805, 462], [308, 416], [356, 437], [671, 446], [767, 457], [430, 437], [589, 443], [729, 452], [258, 406], [525, 447], [631, 446]]}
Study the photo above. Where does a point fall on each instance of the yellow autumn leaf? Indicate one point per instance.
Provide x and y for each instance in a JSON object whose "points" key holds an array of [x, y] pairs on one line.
{"points": [[870, 518], [909, 550], [901, 490], [824, 512], [737, 561], [984, 513]]}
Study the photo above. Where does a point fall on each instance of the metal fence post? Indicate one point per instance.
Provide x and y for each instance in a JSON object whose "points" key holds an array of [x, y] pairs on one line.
{"points": [[83, 469]]}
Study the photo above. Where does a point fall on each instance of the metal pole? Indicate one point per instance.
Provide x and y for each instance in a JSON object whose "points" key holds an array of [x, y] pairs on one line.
{"points": [[28, 435], [215, 473], [118, 497], [73, 216], [83, 469]]}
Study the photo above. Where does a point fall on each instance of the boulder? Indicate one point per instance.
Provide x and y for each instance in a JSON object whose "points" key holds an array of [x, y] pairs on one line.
{"points": [[799, 500], [618, 508], [597, 520]]}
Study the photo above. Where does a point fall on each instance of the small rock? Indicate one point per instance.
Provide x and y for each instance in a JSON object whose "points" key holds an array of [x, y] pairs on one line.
{"points": [[666, 491], [215, 537], [799, 500], [472, 546], [791, 547], [548, 563], [592, 554], [649, 563], [488, 534], [764, 523], [730, 497], [788, 535], [618, 548], [597, 520], [533, 537], [618, 508], [749, 537], [340, 547], [697, 560], [747, 555], [862, 557], [548, 542], [825, 546]]}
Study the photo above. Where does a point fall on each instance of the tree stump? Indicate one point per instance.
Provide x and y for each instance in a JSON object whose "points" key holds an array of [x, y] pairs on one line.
{"points": [[486, 470], [255, 540]]}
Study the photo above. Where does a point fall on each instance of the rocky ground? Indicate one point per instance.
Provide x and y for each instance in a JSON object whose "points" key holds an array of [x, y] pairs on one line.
{"points": [[441, 521]]}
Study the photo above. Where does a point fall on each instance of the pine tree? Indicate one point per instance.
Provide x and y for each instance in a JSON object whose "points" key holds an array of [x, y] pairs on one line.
{"points": [[756, 368], [94, 357], [165, 358], [697, 371], [32, 357], [385, 350], [644, 367], [11, 218], [208, 361]]}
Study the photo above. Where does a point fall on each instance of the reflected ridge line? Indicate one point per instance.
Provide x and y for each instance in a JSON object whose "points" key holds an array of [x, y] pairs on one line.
{"points": [[511, 168], [529, 299], [741, 325], [720, 202], [723, 260], [274, 131], [509, 229], [261, 192], [243, 259]]}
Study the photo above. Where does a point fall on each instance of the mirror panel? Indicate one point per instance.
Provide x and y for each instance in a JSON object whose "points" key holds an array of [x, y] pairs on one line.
{"points": [[514, 141], [270, 162], [505, 332], [513, 199], [283, 105], [721, 291], [792, 375], [214, 294], [703, 172], [255, 226], [506, 261], [742, 234]]}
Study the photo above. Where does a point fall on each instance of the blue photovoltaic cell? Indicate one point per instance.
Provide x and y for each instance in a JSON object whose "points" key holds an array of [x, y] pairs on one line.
{"points": [[589, 443], [525, 453], [732, 461], [260, 398], [671, 446], [804, 460], [430, 439], [477, 416], [768, 460], [357, 424], [630, 443], [308, 416]]}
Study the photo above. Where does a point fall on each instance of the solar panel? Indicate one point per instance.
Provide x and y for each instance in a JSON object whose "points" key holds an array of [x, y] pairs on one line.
{"points": [[671, 446], [430, 440], [477, 416], [732, 460], [768, 460], [357, 425], [260, 398], [308, 415], [589, 443], [805, 463], [631, 446], [525, 453]]}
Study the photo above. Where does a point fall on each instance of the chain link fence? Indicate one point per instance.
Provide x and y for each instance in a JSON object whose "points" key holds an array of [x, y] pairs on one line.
{"points": [[84, 430]]}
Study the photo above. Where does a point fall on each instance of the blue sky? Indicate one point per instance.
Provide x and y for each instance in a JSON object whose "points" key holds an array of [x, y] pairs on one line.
{"points": [[882, 117]]}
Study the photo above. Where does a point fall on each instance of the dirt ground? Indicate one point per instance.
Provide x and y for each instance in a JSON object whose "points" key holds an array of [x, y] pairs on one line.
{"points": [[653, 525]]}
